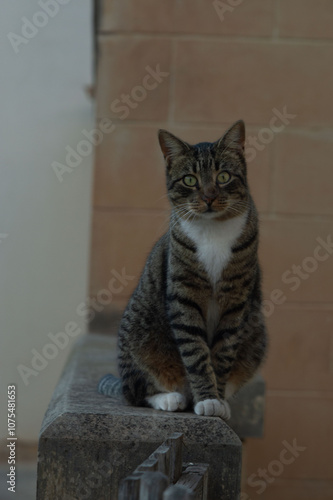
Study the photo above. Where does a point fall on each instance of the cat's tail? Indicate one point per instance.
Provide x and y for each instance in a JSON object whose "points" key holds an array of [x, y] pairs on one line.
{"points": [[110, 385]]}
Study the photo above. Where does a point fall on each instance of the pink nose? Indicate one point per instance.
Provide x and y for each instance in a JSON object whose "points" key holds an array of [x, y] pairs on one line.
{"points": [[209, 196], [208, 200]]}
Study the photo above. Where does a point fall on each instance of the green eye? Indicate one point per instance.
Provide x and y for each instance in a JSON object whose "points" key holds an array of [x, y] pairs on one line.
{"points": [[190, 180], [223, 177]]}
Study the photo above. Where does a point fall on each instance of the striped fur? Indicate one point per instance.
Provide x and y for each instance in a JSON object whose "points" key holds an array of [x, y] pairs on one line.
{"points": [[193, 332]]}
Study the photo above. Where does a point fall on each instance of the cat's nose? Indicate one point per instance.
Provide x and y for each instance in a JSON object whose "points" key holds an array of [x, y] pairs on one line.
{"points": [[209, 196], [208, 200]]}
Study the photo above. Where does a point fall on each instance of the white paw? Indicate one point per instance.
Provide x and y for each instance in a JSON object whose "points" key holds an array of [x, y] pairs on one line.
{"points": [[213, 407], [167, 401]]}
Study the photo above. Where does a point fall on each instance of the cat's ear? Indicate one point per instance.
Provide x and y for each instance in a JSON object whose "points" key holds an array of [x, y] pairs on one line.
{"points": [[171, 146], [234, 138]]}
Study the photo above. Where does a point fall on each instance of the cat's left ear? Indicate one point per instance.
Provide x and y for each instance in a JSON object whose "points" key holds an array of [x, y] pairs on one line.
{"points": [[171, 146], [234, 138]]}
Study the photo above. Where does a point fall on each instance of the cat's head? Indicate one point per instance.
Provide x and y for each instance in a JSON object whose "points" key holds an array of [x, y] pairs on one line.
{"points": [[207, 179]]}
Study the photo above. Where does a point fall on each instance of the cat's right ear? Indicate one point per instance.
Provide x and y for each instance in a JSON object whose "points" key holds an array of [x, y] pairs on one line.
{"points": [[171, 146]]}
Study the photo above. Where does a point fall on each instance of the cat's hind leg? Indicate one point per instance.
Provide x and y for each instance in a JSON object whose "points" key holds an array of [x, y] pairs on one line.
{"points": [[231, 388], [248, 361], [168, 389]]}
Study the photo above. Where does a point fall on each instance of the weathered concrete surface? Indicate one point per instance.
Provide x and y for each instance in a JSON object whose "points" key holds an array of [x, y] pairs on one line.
{"points": [[89, 442]]}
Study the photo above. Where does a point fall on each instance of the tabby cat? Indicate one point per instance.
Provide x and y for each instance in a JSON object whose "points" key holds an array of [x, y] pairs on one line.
{"points": [[193, 332]]}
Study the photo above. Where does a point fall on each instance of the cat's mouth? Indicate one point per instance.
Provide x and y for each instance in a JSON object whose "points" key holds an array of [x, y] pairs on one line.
{"points": [[210, 212], [212, 209]]}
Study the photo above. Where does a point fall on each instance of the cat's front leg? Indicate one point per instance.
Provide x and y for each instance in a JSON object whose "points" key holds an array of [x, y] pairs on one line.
{"points": [[167, 401], [189, 333], [213, 407], [224, 353], [202, 380]]}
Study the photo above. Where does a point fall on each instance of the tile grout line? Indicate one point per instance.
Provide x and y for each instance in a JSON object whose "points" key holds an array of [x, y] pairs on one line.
{"points": [[288, 216], [308, 306], [276, 28], [264, 216], [273, 176], [192, 37], [330, 356], [172, 85], [278, 18], [307, 130], [299, 393]]}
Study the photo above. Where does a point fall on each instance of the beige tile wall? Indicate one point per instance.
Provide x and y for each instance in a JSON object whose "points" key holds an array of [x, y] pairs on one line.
{"points": [[264, 59]]}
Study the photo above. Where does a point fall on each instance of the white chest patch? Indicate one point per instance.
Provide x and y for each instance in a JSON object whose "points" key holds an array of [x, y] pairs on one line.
{"points": [[214, 241]]}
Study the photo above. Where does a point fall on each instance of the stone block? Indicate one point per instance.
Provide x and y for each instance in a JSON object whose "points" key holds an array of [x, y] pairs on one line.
{"points": [[89, 443]]}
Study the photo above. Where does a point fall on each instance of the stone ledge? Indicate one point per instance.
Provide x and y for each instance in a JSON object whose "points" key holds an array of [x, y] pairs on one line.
{"points": [[247, 407], [89, 442]]}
